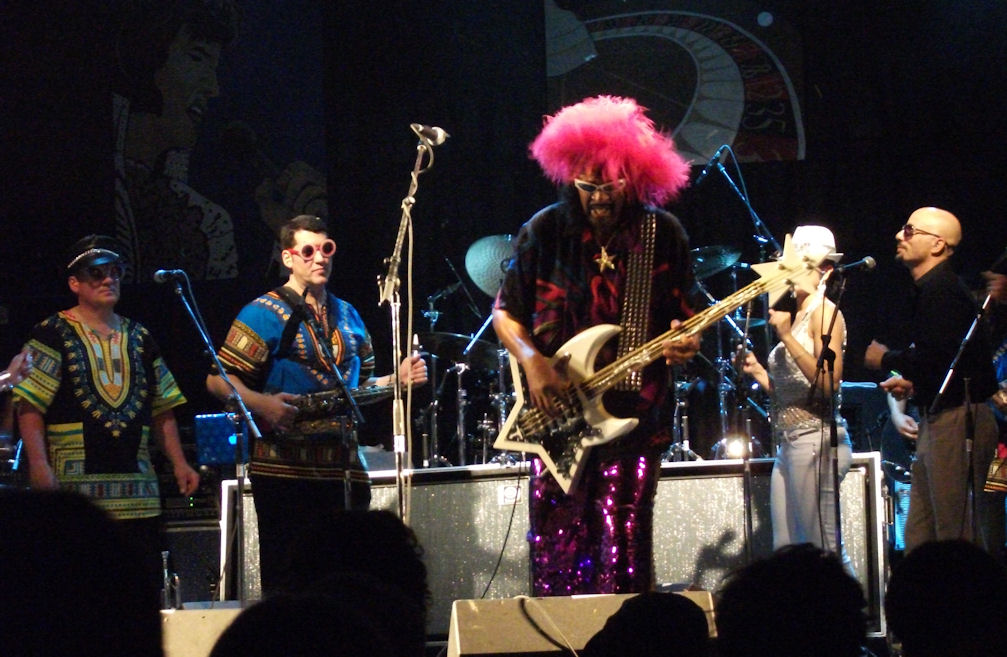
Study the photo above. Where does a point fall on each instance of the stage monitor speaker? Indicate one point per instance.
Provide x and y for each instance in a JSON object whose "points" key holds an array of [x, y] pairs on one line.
{"points": [[539, 626], [469, 518], [193, 632]]}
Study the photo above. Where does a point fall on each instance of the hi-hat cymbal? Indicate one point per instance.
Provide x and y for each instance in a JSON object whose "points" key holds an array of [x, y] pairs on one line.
{"points": [[451, 347], [486, 260], [754, 322], [710, 260]]}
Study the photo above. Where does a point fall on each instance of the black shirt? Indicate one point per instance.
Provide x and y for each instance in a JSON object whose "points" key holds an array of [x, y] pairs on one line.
{"points": [[944, 309]]}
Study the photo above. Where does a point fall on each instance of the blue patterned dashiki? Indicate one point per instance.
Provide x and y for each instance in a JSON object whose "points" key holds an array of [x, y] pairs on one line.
{"points": [[251, 352]]}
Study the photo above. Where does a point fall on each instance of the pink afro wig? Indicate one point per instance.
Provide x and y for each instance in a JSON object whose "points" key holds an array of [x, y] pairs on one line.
{"points": [[613, 135]]}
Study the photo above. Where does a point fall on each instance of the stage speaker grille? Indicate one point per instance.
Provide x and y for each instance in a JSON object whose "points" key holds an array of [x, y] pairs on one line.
{"points": [[467, 517], [193, 547]]}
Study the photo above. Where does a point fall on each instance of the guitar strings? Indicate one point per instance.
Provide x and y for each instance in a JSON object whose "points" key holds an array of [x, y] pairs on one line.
{"points": [[534, 421]]}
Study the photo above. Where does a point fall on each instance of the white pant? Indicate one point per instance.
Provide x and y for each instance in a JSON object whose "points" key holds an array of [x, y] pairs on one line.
{"points": [[801, 500]]}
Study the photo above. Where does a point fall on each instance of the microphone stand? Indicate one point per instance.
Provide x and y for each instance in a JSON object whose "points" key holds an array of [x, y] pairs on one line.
{"points": [[358, 417], [762, 234], [741, 404], [827, 362], [969, 420], [760, 226], [244, 424], [388, 288]]}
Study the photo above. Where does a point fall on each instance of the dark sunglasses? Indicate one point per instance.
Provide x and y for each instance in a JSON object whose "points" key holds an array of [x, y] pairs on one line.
{"points": [[326, 248], [909, 230], [98, 273]]}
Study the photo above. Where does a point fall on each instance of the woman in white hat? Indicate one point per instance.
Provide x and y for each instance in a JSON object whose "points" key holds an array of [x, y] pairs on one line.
{"points": [[802, 501]]}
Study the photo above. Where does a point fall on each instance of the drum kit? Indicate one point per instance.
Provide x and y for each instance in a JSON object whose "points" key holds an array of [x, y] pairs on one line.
{"points": [[482, 393], [735, 407], [472, 394]]}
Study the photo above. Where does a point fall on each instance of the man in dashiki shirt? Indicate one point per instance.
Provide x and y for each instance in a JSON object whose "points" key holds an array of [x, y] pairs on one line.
{"points": [[97, 393], [297, 474]]}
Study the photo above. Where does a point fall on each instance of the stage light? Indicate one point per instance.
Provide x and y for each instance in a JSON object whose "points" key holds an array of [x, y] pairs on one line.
{"points": [[736, 447]]}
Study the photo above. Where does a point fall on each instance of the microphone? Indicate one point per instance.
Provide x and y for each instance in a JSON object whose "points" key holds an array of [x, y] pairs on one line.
{"points": [[443, 292], [710, 166], [867, 263], [430, 134], [169, 275]]}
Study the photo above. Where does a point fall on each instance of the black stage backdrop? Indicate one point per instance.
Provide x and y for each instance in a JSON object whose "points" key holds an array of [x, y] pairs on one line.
{"points": [[901, 105]]}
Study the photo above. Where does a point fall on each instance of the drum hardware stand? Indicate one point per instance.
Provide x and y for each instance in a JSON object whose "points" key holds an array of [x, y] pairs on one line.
{"points": [[388, 292], [431, 451], [435, 459], [244, 425], [501, 401], [722, 364], [680, 449], [487, 432], [500, 398], [462, 404]]}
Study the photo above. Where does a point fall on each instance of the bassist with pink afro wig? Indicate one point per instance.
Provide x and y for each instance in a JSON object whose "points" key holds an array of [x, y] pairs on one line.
{"points": [[605, 253]]}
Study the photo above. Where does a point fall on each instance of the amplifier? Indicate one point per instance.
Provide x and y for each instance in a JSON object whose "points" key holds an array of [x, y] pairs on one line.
{"points": [[193, 548], [473, 522], [202, 506], [467, 519]]}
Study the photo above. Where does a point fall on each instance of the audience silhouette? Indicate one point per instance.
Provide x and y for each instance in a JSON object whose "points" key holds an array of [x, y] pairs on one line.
{"points": [[72, 582], [653, 624], [357, 585], [799, 601], [304, 625], [948, 598]]}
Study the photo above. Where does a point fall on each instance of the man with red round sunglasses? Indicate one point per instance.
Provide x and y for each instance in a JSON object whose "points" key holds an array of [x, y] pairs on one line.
{"points": [[96, 395], [277, 349]]}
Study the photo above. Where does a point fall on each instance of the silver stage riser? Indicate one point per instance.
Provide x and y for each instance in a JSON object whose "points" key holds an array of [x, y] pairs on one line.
{"points": [[465, 516]]}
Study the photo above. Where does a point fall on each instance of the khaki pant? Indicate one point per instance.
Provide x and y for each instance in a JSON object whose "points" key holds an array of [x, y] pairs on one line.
{"points": [[940, 500]]}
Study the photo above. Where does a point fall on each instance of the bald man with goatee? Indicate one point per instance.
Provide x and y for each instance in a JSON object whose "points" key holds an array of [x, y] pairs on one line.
{"points": [[942, 498]]}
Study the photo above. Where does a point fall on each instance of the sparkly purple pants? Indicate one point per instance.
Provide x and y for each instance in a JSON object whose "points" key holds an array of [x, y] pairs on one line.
{"points": [[598, 539]]}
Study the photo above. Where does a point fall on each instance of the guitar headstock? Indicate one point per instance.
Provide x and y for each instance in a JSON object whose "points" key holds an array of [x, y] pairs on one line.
{"points": [[799, 264]]}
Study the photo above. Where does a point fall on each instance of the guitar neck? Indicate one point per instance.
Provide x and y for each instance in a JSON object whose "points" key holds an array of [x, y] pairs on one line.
{"points": [[650, 351]]}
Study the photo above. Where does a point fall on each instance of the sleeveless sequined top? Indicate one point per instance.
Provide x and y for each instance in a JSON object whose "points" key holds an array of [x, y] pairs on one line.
{"points": [[790, 408]]}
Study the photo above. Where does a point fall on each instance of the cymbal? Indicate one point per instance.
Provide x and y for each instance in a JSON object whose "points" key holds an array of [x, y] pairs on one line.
{"points": [[754, 322], [486, 260], [710, 260], [450, 346]]}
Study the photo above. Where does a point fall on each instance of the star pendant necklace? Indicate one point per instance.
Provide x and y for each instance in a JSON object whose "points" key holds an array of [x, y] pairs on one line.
{"points": [[603, 259]]}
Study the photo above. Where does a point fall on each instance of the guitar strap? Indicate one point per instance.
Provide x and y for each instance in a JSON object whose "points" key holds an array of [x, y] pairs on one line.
{"points": [[297, 315], [635, 315]]}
